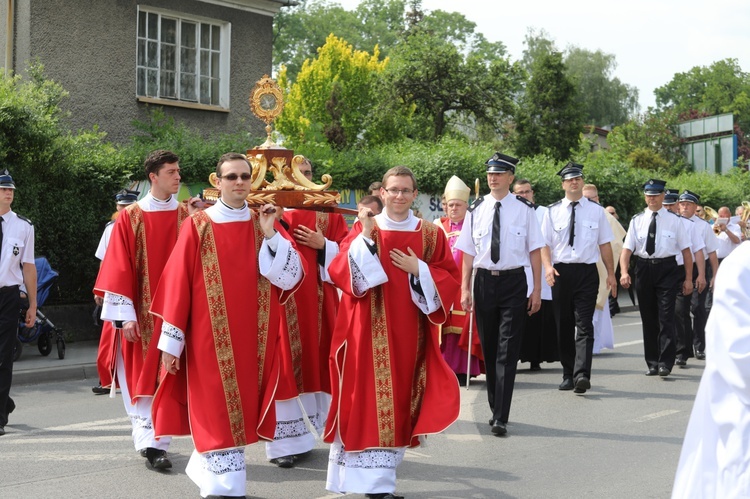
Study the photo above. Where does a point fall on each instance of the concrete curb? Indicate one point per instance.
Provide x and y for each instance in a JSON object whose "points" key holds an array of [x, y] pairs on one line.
{"points": [[64, 373]]}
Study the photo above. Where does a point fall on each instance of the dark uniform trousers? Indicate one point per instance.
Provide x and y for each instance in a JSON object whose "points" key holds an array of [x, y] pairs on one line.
{"points": [[574, 302], [500, 308], [656, 286], [683, 325], [700, 312], [10, 307]]}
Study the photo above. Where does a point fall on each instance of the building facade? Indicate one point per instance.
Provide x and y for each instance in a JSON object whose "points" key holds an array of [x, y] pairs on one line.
{"points": [[197, 59]]}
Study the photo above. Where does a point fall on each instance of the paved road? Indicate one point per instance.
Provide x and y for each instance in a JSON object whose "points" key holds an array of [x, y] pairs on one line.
{"points": [[620, 440]]}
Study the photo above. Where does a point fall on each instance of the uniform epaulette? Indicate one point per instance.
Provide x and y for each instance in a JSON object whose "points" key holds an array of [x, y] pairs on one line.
{"points": [[595, 202], [476, 203], [680, 216], [525, 201], [25, 220], [637, 215], [555, 203]]}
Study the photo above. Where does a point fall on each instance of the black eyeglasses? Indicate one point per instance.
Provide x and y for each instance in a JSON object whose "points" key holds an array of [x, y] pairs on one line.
{"points": [[233, 176], [395, 192]]}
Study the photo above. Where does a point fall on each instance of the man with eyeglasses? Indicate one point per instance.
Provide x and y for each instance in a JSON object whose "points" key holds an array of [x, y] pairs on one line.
{"points": [[142, 239], [501, 237], [304, 393], [390, 385], [220, 299]]}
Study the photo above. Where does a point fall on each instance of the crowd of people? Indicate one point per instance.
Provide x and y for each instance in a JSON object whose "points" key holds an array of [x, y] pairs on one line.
{"points": [[235, 325]]}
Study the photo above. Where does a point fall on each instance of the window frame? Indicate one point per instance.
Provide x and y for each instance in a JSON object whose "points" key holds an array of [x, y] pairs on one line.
{"points": [[224, 52]]}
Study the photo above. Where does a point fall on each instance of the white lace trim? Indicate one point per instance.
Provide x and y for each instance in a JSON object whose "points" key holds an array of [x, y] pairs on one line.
{"points": [[223, 461], [289, 275], [140, 422], [117, 300], [367, 459], [359, 281], [172, 332]]}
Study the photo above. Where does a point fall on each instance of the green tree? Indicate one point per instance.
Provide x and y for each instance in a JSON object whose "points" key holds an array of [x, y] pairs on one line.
{"points": [[300, 31], [605, 100], [332, 97], [549, 119], [450, 75]]}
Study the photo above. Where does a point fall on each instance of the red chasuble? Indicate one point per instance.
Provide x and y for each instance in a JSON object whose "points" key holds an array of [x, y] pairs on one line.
{"points": [[309, 316], [390, 383], [212, 290], [457, 323], [139, 247]]}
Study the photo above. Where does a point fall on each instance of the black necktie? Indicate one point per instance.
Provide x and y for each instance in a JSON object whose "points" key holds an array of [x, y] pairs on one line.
{"points": [[495, 247], [651, 239], [572, 234], [1, 236]]}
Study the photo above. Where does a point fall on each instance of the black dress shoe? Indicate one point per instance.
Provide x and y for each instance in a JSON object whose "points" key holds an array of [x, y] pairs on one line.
{"points": [[499, 428], [582, 384], [283, 461], [664, 372], [700, 355], [142, 452], [157, 458], [535, 366], [2, 431], [680, 362], [387, 495], [99, 390], [652, 371], [567, 384]]}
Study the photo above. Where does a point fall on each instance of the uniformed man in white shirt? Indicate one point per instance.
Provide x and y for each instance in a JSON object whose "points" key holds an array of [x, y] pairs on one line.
{"points": [[683, 327], [576, 231], [656, 236], [688, 205], [499, 238], [16, 267], [729, 234]]}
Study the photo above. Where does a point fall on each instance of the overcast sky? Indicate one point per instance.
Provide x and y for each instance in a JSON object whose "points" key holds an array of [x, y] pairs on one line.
{"points": [[652, 40]]}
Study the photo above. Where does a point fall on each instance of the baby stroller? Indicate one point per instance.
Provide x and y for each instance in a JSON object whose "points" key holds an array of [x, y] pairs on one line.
{"points": [[43, 331]]}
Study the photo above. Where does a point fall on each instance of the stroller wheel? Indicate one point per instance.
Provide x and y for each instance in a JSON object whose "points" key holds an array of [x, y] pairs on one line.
{"points": [[18, 350], [44, 344], [60, 347]]}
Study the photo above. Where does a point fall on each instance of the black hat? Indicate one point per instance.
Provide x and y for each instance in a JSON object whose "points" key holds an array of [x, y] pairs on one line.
{"points": [[571, 170], [689, 196], [670, 196], [654, 187], [500, 163], [126, 197], [6, 181]]}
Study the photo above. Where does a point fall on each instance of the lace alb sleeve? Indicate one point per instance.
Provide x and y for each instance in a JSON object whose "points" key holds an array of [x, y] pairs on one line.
{"points": [[284, 268], [118, 308], [171, 340]]}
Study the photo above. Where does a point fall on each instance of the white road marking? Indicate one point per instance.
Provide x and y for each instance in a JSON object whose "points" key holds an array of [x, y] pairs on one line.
{"points": [[22, 439], [655, 415], [413, 453], [464, 438], [629, 324]]}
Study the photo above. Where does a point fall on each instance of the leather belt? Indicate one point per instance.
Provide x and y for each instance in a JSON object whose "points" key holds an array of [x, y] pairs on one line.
{"points": [[656, 261], [517, 270], [5, 289]]}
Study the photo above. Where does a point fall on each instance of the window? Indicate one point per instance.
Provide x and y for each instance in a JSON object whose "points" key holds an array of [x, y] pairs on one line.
{"points": [[182, 59]]}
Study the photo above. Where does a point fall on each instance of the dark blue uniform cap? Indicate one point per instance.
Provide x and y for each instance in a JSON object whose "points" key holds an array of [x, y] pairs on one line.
{"points": [[501, 163], [571, 170], [6, 181], [654, 187], [689, 196], [126, 197], [671, 196]]}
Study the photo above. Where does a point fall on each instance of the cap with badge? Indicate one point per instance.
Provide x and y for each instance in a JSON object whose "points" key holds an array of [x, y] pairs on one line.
{"points": [[6, 181], [689, 196], [126, 197], [456, 189], [571, 170], [671, 196], [654, 187], [501, 163]]}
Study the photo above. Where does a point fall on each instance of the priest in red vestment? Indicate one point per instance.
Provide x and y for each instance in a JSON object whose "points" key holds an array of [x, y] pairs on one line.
{"points": [[142, 239], [219, 306], [455, 331], [304, 394], [390, 384]]}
